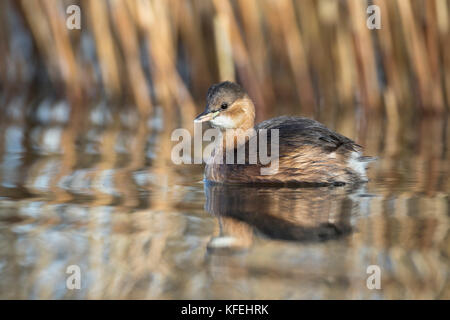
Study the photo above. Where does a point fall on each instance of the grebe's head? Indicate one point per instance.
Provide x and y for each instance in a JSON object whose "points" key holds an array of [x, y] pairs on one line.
{"points": [[228, 107]]}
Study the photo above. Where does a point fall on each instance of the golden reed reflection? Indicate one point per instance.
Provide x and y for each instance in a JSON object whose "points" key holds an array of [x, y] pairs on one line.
{"points": [[100, 191]]}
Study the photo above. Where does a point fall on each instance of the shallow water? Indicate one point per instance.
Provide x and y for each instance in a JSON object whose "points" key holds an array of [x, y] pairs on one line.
{"points": [[97, 189]]}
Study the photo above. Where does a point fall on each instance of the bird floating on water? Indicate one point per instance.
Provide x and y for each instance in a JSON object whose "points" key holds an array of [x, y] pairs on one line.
{"points": [[308, 152]]}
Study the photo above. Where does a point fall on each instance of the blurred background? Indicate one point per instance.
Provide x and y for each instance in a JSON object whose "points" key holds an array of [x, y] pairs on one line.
{"points": [[318, 55], [86, 176]]}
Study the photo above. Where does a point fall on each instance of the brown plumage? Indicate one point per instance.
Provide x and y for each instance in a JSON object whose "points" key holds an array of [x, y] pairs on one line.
{"points": [[309, 152]]}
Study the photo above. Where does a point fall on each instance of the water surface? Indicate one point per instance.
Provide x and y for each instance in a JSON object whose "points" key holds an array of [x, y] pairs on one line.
{"points": [[97, 188]]}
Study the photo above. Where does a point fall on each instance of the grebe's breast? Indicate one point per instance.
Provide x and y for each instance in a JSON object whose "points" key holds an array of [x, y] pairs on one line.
{"points": [[309, 153]]}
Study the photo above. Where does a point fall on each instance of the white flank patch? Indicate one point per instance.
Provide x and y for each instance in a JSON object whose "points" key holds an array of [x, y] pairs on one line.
{"points": [[223, 242], [356, 165], [223, 122]]}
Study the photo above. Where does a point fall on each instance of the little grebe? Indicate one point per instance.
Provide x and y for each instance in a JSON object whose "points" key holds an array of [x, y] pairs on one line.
{"points": [[308, 152]]}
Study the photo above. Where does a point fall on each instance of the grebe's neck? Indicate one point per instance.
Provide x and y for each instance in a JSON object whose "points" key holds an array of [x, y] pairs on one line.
{"points": [[243, 119], [235, 138], [244, 116]]}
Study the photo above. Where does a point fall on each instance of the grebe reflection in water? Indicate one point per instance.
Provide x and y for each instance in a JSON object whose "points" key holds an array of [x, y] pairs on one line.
{"points": [[293, 214]]}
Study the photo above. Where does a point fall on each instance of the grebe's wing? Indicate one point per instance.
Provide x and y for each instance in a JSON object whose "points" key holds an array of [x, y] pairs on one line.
{"points": [[299, 131]]}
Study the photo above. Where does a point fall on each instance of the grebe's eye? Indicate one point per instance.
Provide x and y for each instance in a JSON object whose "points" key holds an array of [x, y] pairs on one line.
{"points": [[224, 106]]}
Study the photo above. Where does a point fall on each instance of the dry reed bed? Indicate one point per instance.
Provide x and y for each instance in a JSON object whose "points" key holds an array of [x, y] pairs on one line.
{"points": [[317, 54]]}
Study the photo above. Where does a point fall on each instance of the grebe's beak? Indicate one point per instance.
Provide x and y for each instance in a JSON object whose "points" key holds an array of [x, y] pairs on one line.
{"points": [[206, 116]]}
